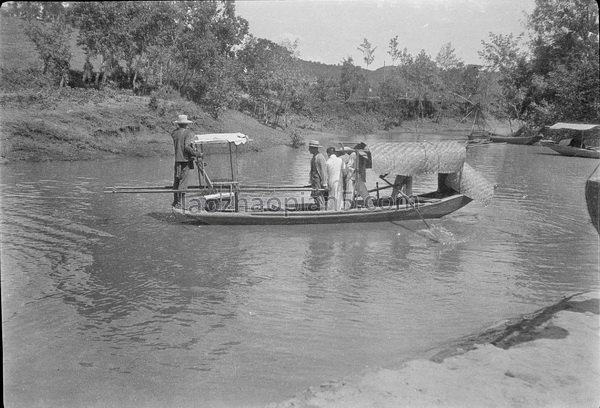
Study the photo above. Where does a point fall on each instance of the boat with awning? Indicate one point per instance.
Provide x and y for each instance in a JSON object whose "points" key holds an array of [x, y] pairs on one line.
{"points": [[574, 139], [225, 201]]}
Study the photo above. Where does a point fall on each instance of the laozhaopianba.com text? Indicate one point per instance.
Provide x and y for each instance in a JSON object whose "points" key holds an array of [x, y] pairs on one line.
{"points": [[290, 204]]}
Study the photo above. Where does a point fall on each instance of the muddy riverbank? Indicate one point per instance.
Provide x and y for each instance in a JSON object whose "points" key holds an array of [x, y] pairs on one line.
{"points": [[549, 358]]}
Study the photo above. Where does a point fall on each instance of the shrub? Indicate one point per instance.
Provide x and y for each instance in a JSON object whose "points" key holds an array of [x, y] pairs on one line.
{"points": [[296, 138]]}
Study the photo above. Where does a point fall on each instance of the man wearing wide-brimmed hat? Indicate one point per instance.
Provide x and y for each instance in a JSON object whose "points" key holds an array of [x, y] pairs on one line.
{"points": [[184, 156], [318, 174]]}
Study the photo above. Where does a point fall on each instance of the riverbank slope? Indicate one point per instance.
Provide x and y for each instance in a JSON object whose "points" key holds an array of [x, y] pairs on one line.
{"points": [[85, 124], [547, 359]]}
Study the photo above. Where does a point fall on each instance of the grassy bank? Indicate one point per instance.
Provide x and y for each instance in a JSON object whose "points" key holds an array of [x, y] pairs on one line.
{"points": [[83, 124]]}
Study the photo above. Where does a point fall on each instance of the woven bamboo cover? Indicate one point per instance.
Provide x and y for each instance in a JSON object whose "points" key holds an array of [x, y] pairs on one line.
{"points": [[472, 184], [413, 158]]}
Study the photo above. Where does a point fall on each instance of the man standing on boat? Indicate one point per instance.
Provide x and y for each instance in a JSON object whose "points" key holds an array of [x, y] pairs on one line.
{"points": [[358, 163], [335, 181], [184, 157], [318, 174]]}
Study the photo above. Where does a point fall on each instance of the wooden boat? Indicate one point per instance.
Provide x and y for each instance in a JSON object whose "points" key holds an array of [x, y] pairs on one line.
{"points": [[431, 205], [590, 152], [592, 197], [582, 134], [518, 140], [226, 202]]}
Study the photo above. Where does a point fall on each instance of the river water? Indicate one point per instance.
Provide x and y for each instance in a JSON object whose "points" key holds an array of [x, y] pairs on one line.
{"points": [[107, 301]]}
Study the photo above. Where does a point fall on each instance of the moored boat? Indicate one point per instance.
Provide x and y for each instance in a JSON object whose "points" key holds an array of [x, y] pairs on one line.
{"points": [[565, 150], [519, 140], [575, 140]]}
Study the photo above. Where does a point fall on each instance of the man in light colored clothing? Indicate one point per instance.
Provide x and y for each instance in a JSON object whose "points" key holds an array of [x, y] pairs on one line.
{"points": [[318, 174], [350, 168], [334, 181]]}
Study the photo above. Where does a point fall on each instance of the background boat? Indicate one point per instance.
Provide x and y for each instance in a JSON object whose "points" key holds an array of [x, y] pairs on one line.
{"points": [[520, 140], [573, 139], [592, 153]]}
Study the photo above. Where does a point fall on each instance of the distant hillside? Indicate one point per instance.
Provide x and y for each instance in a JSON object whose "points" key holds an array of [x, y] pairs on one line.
{"points": [[314, 70]]}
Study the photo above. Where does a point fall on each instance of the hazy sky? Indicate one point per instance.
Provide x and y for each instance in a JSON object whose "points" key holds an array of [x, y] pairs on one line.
{"points": [[331, 30]]}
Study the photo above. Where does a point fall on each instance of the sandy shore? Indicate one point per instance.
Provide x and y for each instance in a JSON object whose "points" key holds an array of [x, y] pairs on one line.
{"points": [[550, 358]]}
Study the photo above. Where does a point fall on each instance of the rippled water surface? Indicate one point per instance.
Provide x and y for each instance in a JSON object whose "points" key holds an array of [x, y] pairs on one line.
{"points": [[107, 301]]}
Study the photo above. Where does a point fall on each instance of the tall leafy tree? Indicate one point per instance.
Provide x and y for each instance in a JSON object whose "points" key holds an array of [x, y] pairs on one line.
{"points": [[351, 79], [103, 32], [271, 77], [447, 59], [423, 79], [565, 59], [504, 57], [152, 25], [393, 51], [451, 69], [52, 43], [368, 52]]}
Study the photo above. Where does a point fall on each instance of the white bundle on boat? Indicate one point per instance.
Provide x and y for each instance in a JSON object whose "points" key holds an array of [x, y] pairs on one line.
{"points": [[472, 184], [413, 158]]}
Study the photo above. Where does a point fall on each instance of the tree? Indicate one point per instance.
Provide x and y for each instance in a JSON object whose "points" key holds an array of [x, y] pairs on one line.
{"points": [[151, 26], [52, 43], [102, 32], [179, 44], [451, 78], [447, 59], [393, 52], [504, 57], [423, 78], [271, 77], [350, 78], [368, 52], [565, 66]]}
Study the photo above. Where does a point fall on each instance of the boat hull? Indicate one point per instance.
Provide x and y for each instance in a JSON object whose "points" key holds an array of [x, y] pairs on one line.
{"points": [[592, 197], [404, 212], [519, 140], [573, 151]]}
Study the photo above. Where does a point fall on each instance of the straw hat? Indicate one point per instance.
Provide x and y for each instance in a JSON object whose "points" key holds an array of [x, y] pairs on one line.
{"points": [[182, 119], [314, 143]]}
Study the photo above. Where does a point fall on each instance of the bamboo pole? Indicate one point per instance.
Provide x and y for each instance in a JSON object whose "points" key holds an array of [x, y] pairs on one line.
{"points": [[211, 191], [264, 187]]}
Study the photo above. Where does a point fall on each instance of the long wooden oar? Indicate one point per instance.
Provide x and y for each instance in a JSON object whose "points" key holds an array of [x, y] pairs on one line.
{"points": [[196, 189], [410, 201]]}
